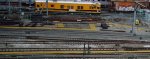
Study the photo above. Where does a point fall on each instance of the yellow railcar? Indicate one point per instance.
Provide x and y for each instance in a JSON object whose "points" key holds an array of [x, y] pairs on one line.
{"points": [[68, 6]]}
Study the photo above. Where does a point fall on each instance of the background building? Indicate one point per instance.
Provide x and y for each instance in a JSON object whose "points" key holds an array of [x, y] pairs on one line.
{"points": [[128, 5]]}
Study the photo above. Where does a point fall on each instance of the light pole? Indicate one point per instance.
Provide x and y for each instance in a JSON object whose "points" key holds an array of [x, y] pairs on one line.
{"points": [[47, 7], [135, 14], [134, 18]]}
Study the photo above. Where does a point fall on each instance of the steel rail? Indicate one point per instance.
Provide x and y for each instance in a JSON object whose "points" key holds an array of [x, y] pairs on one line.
{"points": [[64, 56], [53, 49], [72, 52], [54, 42], [70, 49]]}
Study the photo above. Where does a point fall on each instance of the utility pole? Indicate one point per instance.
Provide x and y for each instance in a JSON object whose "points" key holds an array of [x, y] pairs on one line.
{"points": [[46, 7]]}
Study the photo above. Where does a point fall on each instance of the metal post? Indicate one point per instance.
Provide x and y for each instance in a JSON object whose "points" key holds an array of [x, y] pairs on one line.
{"points": [[89, 48], [47, 7], [30, 8], [9, 11], [133, 25], [84, 51], [30, 3], [20, 6]]}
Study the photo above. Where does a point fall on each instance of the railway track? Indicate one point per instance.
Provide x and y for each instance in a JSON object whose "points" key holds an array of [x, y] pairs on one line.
{"points": [[72, 57], [43, 39], [74, 41], [60, 42], [73, 52], [53, 49], [115, 56]]}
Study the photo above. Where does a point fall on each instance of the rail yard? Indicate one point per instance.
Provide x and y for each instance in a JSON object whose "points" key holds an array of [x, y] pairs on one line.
{"points": [[80, 44], [74, 29]]}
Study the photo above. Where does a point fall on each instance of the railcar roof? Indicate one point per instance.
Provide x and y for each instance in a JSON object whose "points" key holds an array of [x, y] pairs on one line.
{"points": [[78, 2]]}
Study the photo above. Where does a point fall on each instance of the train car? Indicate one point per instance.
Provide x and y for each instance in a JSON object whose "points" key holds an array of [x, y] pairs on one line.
{"points": [[67, 6]]}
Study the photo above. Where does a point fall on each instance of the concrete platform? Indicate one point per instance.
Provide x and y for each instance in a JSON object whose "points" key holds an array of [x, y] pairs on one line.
{"points": [[58, 26], [108, 35]]}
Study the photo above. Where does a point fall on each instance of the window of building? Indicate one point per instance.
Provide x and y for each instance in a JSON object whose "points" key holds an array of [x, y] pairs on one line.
{"points": [[98, 7], [62, 6], [52, 5]]}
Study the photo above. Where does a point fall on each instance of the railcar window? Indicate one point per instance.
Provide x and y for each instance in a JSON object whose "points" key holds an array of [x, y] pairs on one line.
{"points": [[38, 5], [90, 7], [79, 7], [69, 7], [41, 4], [52, 5], [72, 7], [62, 6]]}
